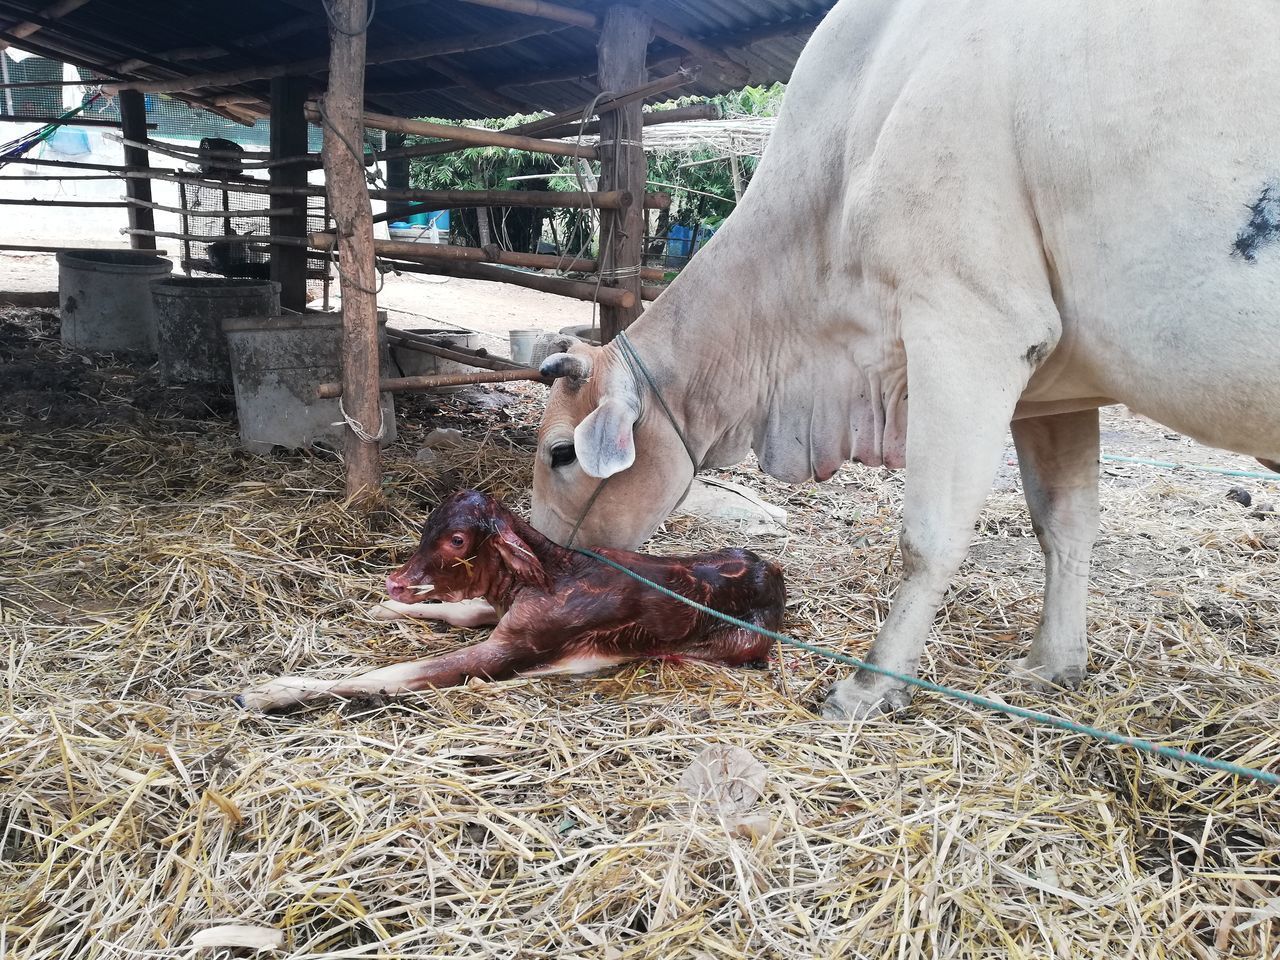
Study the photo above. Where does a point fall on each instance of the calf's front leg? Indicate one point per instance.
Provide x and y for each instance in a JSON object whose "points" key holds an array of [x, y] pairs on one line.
{"points": [[465, 613], [500, 657]]}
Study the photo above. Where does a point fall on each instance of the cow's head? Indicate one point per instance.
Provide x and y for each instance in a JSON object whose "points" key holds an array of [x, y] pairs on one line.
{"points": [[469, 543], [601, 423]]}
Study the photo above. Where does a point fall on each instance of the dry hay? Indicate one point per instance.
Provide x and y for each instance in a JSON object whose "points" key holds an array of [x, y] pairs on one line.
{"points": [[147, 568]]}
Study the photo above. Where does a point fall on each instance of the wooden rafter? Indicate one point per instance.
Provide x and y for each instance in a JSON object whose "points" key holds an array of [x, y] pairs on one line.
{"points": [[420, 50]]}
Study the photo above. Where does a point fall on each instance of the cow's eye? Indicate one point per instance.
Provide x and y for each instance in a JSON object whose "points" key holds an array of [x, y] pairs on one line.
{"points": [[562, 454], [458, 540]]}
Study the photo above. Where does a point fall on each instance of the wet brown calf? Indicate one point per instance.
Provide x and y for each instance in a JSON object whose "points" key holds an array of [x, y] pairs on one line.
{"points": [[561, 612]]}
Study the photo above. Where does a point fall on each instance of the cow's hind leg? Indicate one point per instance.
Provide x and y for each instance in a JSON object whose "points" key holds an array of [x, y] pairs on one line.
{"points": [[1058, 457], [962, 393]]}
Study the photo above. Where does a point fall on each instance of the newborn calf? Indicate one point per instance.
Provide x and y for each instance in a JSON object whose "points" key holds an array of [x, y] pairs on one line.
{"points": [[560, 612]]}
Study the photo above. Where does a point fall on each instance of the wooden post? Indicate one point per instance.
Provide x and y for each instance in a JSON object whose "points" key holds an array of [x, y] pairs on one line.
{"points": [[621, 53], [289, 139], [349, 201], [133, 124], [397, 177]]}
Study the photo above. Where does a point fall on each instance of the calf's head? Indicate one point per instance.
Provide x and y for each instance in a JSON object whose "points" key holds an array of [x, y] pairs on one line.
{"points": [[469, 546], [601, 423]]}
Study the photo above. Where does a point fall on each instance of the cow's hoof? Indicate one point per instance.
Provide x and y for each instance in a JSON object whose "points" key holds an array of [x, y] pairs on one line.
{"points": [[1052, 676], [855, 699]]}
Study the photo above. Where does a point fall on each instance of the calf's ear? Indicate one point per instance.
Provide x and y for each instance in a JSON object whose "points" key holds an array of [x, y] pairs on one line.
{"points": [[518, 557], [604, 441]]}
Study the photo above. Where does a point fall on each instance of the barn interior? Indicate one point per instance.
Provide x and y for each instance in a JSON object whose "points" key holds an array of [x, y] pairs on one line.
{"points": [[157, 555]]}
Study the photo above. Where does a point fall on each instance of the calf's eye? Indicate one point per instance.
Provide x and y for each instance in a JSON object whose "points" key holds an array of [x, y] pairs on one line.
{"points": [[562, 454]]}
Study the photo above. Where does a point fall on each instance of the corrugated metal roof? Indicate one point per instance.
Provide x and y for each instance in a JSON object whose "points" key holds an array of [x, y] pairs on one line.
{"points": [[551, 71]]}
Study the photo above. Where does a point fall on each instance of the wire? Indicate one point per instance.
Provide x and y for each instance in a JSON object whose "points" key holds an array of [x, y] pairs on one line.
{"points": [[328, 11]]}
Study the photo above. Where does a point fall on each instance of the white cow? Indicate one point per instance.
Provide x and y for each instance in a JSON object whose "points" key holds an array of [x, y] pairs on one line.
{"points": [[985, 212]]}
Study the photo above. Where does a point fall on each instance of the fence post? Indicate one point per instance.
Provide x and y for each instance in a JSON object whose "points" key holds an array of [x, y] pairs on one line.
{"points": [[133, 126], [289, 139]]}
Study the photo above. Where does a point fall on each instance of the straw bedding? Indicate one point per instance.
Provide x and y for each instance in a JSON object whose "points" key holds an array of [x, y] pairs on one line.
{"points": [[148, 569]]}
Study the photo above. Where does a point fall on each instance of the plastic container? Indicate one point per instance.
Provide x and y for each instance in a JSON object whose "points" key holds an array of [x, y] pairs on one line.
{"points": [[105, 298], [189, 313], [277, 363], [523, 344]]}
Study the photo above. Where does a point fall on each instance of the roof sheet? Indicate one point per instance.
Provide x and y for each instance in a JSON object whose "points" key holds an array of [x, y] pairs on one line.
{"points": [[552, 70]]}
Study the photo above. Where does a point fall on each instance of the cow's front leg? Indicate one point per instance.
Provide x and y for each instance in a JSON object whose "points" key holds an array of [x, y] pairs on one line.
{"points": [[497, 658], [464, 613], [960, 412], [1058, 457]]}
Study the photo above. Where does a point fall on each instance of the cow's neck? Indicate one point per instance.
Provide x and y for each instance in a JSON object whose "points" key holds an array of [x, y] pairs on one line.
{"points": [[713, 352]]}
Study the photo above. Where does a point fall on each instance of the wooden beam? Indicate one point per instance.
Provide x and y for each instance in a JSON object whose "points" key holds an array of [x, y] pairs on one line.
{"points": [[652, 201], [240, 186], [133, 126], [623, 42], [289, 140], [565, 122], [472, 136], [420, 50], [574, 289], [556, 199], [327, 391], [77, 122], [251, 240], [729, 69], [33, 202], [58, 10], [546, 11], [413, 341], [216, 214], [433, 252], [349, 204], [28, 248], [695, 111]]}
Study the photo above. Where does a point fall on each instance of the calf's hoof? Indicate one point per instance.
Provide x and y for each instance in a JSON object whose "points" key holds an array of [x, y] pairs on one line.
{"points": [[859, 699], [380, 611], [280, 693]]}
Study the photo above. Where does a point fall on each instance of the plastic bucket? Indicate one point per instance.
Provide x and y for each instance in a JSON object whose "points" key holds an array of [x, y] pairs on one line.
{"points": [[105, 299], [189, 314], [523, 345]]}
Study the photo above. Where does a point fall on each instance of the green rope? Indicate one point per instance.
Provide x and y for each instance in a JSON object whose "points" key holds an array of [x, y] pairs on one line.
{"points": [[1137, 743], [1166, 465]]}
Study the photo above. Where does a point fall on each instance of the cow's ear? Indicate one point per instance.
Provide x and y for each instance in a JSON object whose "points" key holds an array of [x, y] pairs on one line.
{"points": [[604, 441]]}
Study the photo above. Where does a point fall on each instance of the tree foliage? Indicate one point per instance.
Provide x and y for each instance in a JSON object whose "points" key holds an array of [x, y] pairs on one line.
{"points": [[701, 178]]}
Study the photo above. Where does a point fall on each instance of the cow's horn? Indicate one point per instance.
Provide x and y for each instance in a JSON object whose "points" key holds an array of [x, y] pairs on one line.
{"points": [[566, 365]]}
